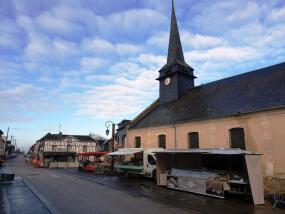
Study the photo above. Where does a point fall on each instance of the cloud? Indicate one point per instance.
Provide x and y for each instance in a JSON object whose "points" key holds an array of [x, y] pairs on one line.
{"points": [[132, 87], [188, 39], [9, 34], [246, 13], [97, 46], [134, 23], [125, 49], [99, 78], [151, 60], [25, 97], [225, 54], [277, 15], [89, 64], [58, 26], [101, 47], [46, 79]]}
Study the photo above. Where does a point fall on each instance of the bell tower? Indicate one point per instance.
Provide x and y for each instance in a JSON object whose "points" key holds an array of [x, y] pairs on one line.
{"points": [[176, 76]]}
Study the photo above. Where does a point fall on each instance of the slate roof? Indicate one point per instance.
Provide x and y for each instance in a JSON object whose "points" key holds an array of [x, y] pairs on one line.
{"points": [[258, 90], [50, 136], [123, 124]]}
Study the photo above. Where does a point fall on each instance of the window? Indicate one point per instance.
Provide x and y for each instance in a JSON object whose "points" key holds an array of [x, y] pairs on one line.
{"points": [[151, 160], [53, 148], [137, 142], [162, 141], [123, 139], [69, 147], [237, 138], [193, 140], [84, 148]]}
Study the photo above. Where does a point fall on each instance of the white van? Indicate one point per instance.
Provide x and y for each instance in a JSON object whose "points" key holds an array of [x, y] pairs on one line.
{"points": [[137, 161]]}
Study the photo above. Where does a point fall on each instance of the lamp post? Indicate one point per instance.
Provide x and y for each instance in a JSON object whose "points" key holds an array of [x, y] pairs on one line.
{"points": [[108, 124]]}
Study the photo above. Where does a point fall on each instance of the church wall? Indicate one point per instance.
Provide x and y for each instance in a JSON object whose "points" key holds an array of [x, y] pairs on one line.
{"points": [[264, 133]]}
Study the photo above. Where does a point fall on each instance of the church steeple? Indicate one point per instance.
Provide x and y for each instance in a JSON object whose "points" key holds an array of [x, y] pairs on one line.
{"points": [[176, 76], [175, 52]]}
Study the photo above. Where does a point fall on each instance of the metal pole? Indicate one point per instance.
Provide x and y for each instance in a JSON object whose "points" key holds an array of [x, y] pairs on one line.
{"points": [[7, 134], [113, 137], [5, 145]]}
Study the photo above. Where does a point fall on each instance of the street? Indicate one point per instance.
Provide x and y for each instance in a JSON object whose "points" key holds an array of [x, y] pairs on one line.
{"points": [[70, 191]]}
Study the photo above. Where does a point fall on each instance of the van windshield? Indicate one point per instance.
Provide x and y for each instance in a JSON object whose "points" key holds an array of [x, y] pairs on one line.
{"points": [[151, 160]]}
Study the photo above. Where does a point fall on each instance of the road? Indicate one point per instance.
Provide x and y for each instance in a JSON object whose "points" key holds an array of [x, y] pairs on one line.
{"points": [[72, 192]]}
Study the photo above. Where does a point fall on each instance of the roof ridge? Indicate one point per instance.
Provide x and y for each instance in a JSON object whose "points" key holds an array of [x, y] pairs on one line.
{"points": [[238, 75]]}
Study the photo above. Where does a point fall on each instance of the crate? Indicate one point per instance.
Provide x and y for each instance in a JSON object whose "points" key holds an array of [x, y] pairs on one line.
{"points": [[278, 191]]}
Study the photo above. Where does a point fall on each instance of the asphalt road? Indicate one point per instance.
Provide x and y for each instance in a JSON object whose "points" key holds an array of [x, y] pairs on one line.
{"points": [[73, 192], [68, 194]]}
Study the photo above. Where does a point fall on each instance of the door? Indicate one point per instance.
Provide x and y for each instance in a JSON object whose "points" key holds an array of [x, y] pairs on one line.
{"points": [[150, 164]]}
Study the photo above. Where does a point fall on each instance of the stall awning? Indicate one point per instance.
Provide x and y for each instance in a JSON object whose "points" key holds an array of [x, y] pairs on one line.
{"points": [[58, 153], [92, 153], [218, 151], [127, 151]]}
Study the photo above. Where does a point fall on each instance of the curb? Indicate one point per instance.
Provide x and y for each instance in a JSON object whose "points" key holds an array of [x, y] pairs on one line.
{"points": [[46, 204]]}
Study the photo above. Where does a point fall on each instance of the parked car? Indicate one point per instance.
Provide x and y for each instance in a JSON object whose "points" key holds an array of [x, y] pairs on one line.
{"points": [[11, 156]]}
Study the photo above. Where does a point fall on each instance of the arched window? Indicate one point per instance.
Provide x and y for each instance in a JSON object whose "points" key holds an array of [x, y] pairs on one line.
{"points": [[162, 141], [237, 138], [193, 140], [137, 142]]}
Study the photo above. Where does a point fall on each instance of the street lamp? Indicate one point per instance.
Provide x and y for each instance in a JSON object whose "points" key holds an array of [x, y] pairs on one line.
{"points": [[108, 124]]}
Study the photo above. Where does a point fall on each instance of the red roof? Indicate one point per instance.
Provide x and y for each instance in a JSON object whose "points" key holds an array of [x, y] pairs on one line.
{"points": [[92, 153]]}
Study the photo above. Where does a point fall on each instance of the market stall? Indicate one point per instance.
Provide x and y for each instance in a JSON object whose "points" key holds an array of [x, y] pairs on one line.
{"points": [[212, 172], [90, 161]]}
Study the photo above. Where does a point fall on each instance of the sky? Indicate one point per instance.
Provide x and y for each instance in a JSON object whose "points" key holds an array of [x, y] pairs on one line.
{"points": [[80, 63]]}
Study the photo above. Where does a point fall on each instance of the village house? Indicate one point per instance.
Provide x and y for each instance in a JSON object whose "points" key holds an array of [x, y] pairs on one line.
{"points": [[121, 133], [59, 150], [246, 111]]}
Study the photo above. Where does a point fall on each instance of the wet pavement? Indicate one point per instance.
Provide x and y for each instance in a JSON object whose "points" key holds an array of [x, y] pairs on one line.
{"points": [[147, 188], [19, 198], [71, 191]]}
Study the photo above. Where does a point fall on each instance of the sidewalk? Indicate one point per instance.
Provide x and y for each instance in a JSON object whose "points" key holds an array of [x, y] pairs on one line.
{"points": [[19, 198]]}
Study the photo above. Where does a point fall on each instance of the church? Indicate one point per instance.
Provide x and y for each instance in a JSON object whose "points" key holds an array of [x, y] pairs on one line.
{"points": [[246, 111]]}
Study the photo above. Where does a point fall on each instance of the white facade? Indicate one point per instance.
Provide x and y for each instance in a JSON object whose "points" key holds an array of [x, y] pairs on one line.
{"points": [[58, 148], [68, 144]]}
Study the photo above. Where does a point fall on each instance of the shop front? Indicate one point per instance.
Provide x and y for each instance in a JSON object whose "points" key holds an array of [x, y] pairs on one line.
{"points": [[60, 159]]}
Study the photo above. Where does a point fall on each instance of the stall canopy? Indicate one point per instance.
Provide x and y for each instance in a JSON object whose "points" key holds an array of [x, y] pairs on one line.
{"points": [[127, 151], [217, 151], [92, 153]]}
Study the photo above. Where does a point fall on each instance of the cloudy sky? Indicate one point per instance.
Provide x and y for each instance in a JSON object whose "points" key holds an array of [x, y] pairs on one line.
{"points": [[80, 63]]}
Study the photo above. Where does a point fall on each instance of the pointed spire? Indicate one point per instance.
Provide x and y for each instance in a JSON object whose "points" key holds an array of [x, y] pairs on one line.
{"points": [[175, 52]]}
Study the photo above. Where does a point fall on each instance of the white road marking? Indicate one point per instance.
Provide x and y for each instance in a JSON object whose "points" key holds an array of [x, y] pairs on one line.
{"points": [[55, 176]]}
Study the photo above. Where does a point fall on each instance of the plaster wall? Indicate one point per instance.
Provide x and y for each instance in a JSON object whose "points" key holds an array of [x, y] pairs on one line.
{"points": [[264, 133]]}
